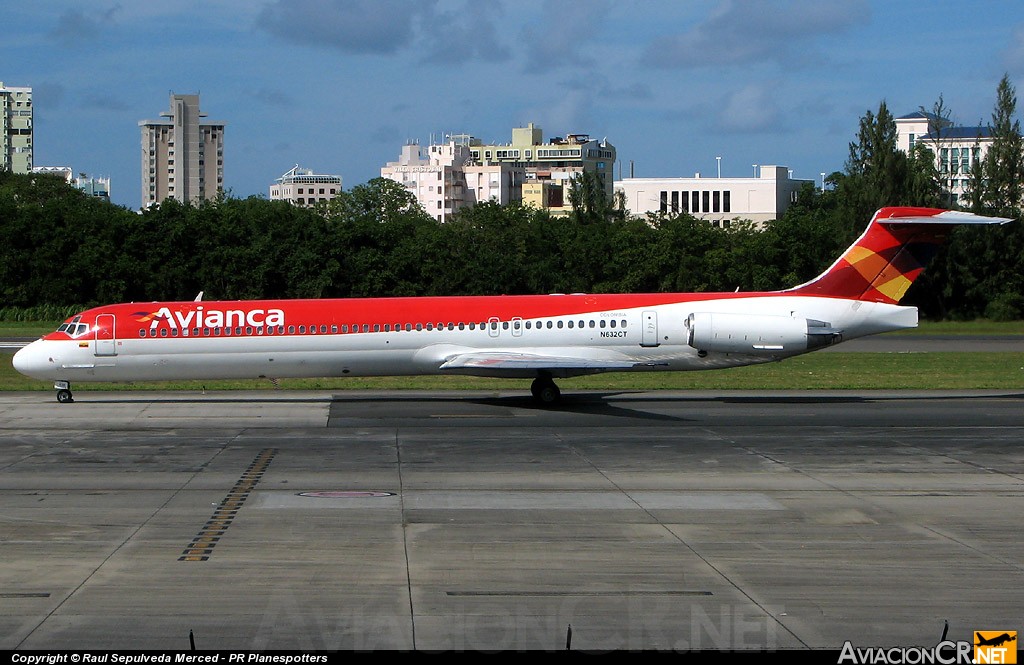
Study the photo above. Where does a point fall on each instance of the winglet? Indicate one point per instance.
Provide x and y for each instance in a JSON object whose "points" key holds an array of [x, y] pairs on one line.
{"points": [[891, 253]]}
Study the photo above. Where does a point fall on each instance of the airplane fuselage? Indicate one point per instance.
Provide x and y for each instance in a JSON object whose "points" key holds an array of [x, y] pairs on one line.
{"points": [[511, 336]]}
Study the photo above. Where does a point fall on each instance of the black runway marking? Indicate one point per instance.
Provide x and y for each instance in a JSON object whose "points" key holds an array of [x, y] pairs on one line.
{"points": [[209, 536]]}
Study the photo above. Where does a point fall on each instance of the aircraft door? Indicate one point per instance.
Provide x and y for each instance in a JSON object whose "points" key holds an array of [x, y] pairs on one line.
{"points": [[493, 326], [649, 329], [105, 336]]}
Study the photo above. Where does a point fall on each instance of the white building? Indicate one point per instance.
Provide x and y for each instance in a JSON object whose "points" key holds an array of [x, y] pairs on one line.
{"points": [[720, 201], [445, 178], [303, 187], [98, 187], [956, 148], [15, 129]]}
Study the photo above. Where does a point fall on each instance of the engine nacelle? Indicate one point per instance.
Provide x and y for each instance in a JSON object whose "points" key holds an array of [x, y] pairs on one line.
{"points": [[757, 333]]}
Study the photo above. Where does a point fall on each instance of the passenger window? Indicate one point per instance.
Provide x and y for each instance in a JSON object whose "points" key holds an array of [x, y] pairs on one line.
{"points": [[163, 332], [559, 324], [142, 332], [408, 327], [334, 329], [302, 330], [472, 325], [462, 326], [570, 324], [504, 325], [248, 330], [603, 323], [174, 332], [494, 325], [291, 330], [612, 323], [323, 328], [623, 323], [206, 332], [366, 327], [344, 327], [549, 325], [591, 323], [430, 326], [419, 326], [376, 327], [195, 332]]}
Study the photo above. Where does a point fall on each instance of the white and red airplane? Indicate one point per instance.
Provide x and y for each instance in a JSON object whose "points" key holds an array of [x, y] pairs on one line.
{"points": [[542, 337]]}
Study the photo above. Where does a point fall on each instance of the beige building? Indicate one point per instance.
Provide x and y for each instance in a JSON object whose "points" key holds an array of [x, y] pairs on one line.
{"points": [[182, 155], [549, 166], [956, 148], [720, 201], [464, 171], [15, 129], [303, 187]]}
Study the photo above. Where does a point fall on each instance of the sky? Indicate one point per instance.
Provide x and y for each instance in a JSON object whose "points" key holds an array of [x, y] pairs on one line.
{"points": [[338, 86]]}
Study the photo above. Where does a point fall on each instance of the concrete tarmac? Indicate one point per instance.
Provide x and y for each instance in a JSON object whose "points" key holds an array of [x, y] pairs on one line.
{"points": [[477, 521]]}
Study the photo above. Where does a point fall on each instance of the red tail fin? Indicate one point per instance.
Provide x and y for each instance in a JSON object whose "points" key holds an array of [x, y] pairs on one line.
{"points": [[895, 248]]}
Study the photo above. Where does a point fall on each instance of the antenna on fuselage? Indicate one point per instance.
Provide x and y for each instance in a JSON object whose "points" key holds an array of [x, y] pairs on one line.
{"points": [[198, 297]]}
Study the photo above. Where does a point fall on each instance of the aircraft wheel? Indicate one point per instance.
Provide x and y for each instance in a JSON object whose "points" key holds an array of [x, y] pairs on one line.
{"points": [[64, 396], [545, 391]]}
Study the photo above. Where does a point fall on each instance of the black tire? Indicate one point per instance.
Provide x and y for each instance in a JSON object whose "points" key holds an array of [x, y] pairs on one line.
{"points": [[548, 394], [64, 396]]}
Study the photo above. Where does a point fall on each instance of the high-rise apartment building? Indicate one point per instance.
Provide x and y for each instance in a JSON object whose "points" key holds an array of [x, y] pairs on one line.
{"points": [[15, 129], [182, 155]]}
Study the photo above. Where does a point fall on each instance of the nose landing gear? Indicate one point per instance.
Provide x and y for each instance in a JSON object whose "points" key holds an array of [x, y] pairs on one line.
{"points": [[63, 392]]}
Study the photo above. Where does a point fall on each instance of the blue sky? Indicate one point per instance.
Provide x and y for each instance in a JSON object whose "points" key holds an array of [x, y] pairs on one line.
{"points": [[339, 85]]}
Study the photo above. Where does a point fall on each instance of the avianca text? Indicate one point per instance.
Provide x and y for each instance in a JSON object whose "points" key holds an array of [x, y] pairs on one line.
{"points": [[216, 318]]}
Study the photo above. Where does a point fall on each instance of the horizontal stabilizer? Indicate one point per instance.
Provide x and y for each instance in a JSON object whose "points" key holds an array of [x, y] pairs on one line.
{"points": [[892, 252], [945, 217]]}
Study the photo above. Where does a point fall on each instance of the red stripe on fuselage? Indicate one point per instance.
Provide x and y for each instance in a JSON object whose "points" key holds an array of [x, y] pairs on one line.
{"points": [[392, 311]]}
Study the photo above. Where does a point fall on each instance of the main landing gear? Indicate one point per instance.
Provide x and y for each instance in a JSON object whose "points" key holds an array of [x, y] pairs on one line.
{"points": [[63, 392], [545, 391]]}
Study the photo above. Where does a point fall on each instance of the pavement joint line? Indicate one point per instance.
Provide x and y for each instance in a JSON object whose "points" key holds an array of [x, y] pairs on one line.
{"points": [[226, 511]]}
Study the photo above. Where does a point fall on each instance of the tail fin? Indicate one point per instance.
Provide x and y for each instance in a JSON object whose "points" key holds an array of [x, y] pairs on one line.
{"points": [[895, 248]]}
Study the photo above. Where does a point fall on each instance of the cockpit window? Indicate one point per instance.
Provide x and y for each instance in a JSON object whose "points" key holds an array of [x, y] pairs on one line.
{"points": [[73, 327]]}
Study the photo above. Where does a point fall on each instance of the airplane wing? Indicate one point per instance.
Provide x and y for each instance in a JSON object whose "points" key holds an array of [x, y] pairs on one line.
{"points": [[510, 361]]}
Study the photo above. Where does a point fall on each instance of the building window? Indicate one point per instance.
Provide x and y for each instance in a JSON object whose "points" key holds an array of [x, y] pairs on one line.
{"points": [[705, 201], [726, 201], [716, 202], [664, 202]]}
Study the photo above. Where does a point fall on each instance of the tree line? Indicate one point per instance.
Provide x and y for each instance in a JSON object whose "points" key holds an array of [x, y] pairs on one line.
{"points": [[61, 249]]}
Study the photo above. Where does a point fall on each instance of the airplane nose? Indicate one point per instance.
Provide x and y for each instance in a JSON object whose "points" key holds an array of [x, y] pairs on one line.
{"points": [[34, 361]]}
